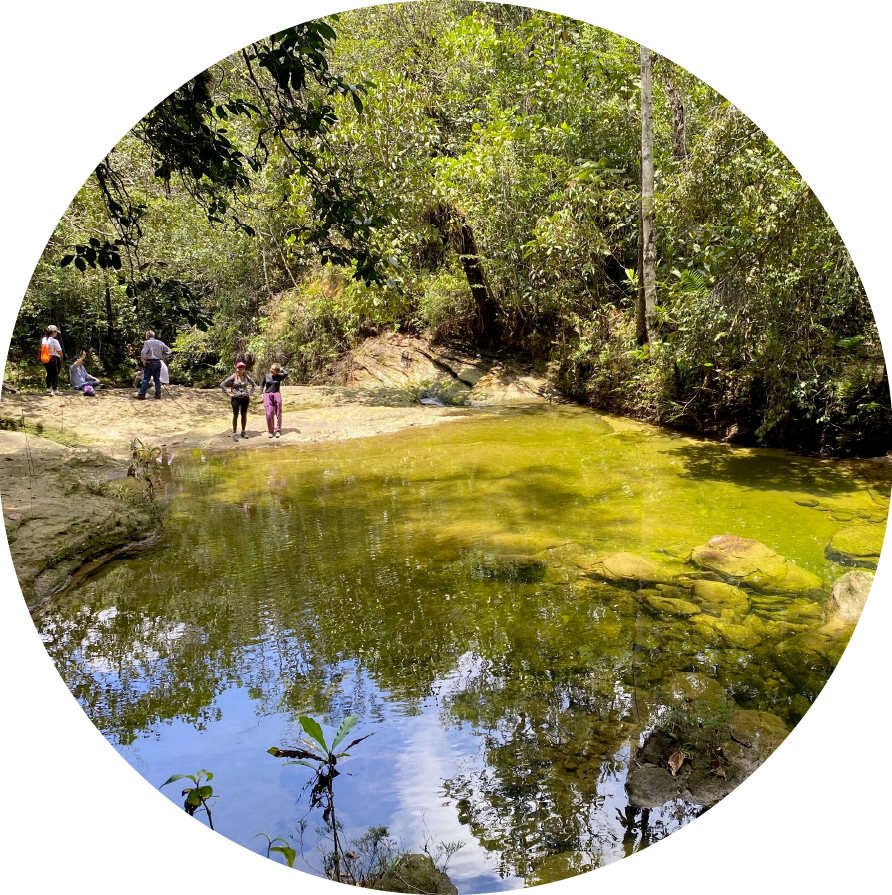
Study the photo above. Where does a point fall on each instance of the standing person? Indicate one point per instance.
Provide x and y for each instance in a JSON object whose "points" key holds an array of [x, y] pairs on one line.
{"points": [[236, 386], [272, 399], [51, 358], [153, 351], [79, 377]]}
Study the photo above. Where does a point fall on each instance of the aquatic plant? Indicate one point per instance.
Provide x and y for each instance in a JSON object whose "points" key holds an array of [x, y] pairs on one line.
{"points": [[698, 727], [196, 796], [143, 467], [322, 759], [284, 849]]}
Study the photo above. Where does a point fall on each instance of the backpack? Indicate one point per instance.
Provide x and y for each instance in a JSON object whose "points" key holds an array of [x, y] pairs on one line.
{"points": [[45, 353], [88, 391]]}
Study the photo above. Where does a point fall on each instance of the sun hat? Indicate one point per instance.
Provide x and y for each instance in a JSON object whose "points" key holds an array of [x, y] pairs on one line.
{"points": [[53, 329]]}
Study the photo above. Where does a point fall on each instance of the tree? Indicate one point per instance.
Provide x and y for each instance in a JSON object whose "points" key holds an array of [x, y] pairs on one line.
{"points": [[647, 274]]}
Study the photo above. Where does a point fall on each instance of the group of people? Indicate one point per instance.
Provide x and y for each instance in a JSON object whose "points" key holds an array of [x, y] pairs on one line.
{"points": [[239, 387]]}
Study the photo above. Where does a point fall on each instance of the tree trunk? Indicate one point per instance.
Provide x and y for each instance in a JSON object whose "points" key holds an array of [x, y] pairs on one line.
{"points": [[676, 104], [648, 271], [454, 228]]}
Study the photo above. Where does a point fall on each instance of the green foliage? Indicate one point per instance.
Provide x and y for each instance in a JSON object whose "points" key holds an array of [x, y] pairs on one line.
{"points": [[698, 727], [197, 795]]}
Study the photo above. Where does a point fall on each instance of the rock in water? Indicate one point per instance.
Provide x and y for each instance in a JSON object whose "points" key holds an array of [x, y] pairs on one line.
{"points": [[669, 606], [752, 564], [715, 597], [650, 787], [632, 570], [857, 545], [690, 685], [416, 873], [808, 659], [848, 596]]}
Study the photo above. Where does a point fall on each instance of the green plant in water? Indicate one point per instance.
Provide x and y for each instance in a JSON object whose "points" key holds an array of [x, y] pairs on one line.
{"points": [[698, 727], [143, 467], [322, 759], [196, 796], [284, 849]]}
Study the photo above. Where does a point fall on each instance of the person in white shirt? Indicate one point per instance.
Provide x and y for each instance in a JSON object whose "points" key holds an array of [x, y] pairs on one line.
{"points": [[51, 358]]}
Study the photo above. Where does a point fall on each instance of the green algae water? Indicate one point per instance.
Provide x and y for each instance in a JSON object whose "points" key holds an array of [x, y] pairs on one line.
{"points": [[434, 582]]}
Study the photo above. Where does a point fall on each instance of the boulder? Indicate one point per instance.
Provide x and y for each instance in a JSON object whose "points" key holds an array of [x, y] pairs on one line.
{"points": [[633, 570], [754, 736], [651, 787], [716, 596], [416, 873], [808, 659], [848, 596], [857, 545], [753, 564]]}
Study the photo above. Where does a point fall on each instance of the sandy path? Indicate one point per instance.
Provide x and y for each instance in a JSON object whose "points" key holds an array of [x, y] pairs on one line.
{"points": [[186, 417]]}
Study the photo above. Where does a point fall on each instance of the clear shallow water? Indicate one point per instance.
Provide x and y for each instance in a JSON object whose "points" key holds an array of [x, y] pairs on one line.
{"points": [[359, 578]]}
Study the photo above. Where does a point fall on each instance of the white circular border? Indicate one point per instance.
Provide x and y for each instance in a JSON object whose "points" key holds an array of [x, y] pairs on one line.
{"points": [[811, 74]]}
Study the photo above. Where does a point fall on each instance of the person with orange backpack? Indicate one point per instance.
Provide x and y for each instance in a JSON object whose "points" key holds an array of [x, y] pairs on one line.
{"points": [[51, 358]]}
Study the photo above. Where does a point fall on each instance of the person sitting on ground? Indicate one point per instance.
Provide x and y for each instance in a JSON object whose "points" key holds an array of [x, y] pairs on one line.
{"points": [[51, 358], [79, 377], [272, 399], [236, 386], [153, 351]]}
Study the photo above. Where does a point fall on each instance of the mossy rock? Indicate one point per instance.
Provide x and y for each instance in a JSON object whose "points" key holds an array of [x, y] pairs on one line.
{"points": [[848, 596], [416, 874], [633, 570], [808, 659], [752, 564], [668, 606], [651, 787], [736, 636], [716, 596], [754, 736], [857, 545]]}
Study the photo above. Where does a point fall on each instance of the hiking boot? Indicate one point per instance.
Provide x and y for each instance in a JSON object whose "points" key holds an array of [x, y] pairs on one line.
{"points": [[140, 397], [157, 397]]}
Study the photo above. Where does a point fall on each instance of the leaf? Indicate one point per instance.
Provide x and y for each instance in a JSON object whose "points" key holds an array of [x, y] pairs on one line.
{"points": [[349, 746], [289, 853], [179, 777], [346, 726], [205, 792], [66, 261], [675, 761], [312, 729], [301, 761]]}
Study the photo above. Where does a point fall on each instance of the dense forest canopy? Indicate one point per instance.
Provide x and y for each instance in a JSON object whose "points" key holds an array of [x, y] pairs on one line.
{"points": [[471, 171]]}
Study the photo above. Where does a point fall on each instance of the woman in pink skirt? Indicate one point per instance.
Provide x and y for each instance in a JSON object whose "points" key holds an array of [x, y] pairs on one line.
{"points": [[272, 399]]}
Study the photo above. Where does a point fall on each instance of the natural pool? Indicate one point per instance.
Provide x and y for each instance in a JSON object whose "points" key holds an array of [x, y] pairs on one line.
{"points": [[370, 577]]}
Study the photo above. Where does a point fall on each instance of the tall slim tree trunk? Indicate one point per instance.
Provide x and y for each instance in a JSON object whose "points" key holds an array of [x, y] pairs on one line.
{"points": [[676, 104], [648, 272]]}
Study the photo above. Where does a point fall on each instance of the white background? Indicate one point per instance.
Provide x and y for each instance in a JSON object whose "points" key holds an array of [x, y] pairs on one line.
{"points": [[75, 817]]}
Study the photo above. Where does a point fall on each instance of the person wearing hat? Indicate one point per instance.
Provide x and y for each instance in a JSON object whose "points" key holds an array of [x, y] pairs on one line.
{"points": [[51, 358], [152, 353], [236, 386]]}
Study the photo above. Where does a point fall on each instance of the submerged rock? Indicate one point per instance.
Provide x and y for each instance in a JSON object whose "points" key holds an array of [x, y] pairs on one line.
{"points": [[808, 659], [511, 566], [690, 685], [848, 596], [753, 564], [857, 545], [715, 597], [754, 736], [669, 606], [632, 570]]}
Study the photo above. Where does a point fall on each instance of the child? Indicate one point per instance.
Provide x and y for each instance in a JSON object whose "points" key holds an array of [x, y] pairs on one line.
{"points": [[272, 399], [236, 386]]}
